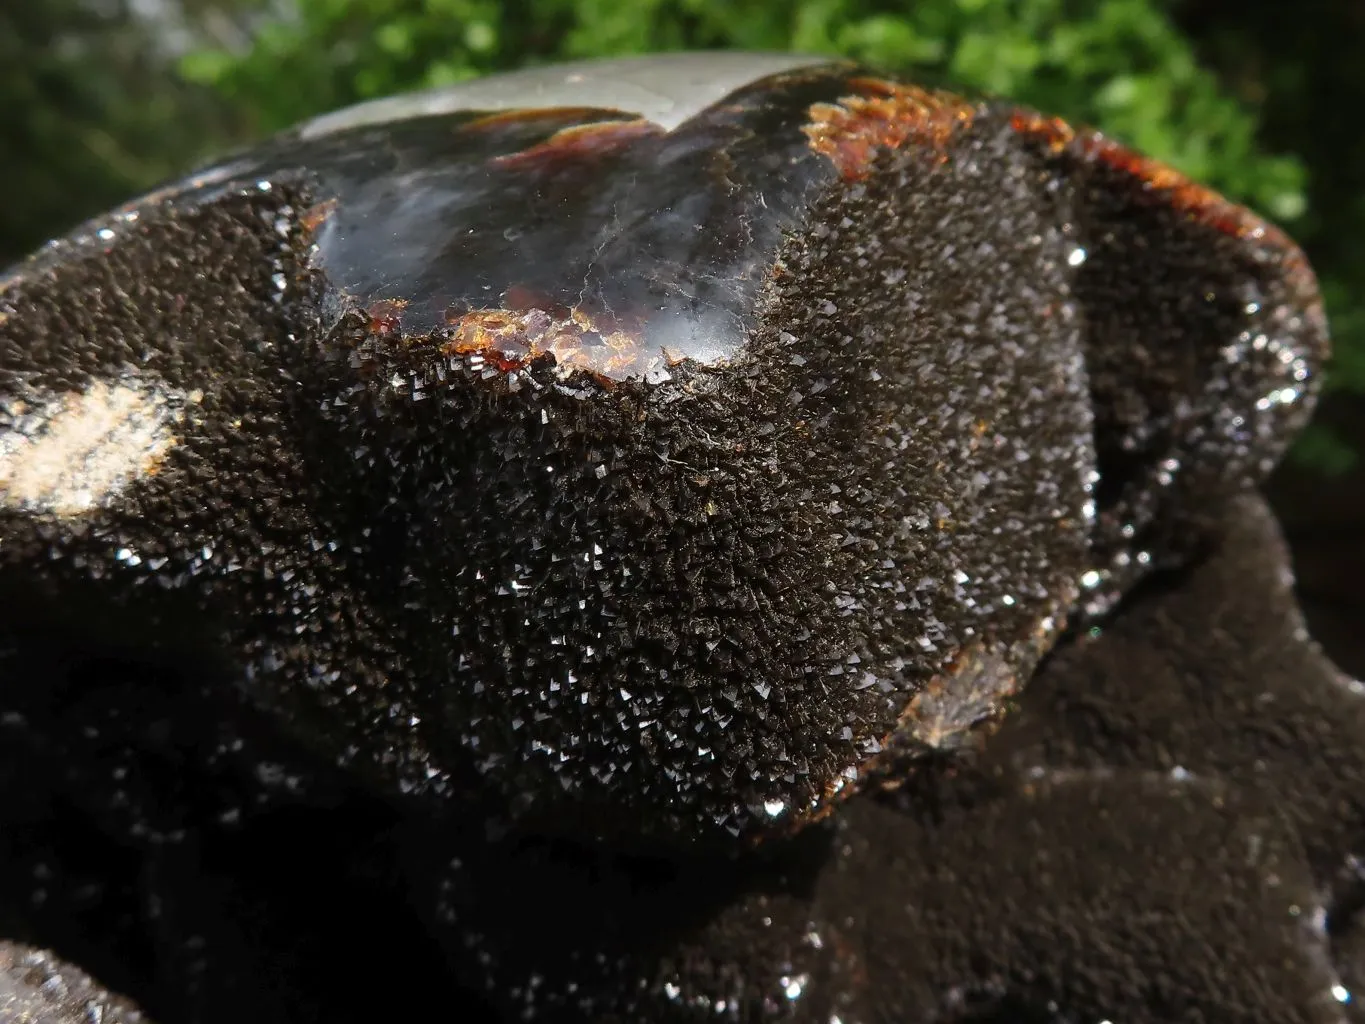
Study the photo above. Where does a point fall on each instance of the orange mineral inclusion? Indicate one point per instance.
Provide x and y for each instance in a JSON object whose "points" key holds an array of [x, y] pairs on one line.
{"points": [[510, 339], [582, 140], [883, 115]]}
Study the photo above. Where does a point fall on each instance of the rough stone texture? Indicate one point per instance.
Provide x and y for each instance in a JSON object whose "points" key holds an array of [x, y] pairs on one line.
{"points": [[37, 988], [778, 466], [1151, 838], [1167, 830]]}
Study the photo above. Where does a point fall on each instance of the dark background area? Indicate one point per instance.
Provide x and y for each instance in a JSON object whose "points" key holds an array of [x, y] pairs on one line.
{"points": [[1261, 100]]}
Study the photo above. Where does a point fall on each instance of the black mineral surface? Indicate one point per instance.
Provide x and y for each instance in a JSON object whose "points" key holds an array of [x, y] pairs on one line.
{"points": [[788, 552], [1166, 830], [642, 482]]}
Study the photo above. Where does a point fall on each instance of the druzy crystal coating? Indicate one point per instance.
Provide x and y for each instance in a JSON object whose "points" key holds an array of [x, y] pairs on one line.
{"points": [[648, 479]]}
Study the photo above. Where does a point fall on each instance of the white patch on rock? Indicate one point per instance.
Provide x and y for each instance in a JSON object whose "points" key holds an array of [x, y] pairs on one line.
{"points": [[664, 88], [943, 715], [66, 454]]}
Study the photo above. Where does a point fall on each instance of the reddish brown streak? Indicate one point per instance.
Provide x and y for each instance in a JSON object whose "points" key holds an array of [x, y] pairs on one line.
{"points": [[1200, 203], [564, 116], [580, 141]]}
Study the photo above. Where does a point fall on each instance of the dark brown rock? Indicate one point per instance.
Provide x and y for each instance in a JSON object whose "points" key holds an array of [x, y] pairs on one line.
{"points": [[1157, 836], [646, 485]]}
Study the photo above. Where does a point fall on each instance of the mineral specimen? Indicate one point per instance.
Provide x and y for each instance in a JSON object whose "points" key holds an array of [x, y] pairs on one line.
{"points": [[635, 467]]}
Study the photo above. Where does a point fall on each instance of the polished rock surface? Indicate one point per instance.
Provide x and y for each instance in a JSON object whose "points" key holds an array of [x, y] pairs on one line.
{"points": [[638, 481]]}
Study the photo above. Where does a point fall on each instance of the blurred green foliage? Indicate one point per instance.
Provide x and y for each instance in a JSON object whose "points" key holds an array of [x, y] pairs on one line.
{"points": [[1260, 100], [1122, 65], [92, 114]]}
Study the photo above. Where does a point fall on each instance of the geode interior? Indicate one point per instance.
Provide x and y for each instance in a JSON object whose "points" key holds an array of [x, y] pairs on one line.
{"points": [[641, 480]]}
